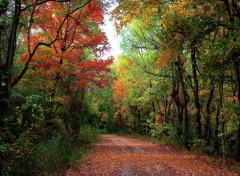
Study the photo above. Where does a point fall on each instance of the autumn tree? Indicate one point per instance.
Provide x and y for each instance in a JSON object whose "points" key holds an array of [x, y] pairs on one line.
{"points": [[25, 14]]}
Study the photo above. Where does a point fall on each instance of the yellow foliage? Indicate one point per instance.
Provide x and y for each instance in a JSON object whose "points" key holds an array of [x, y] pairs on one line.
{"points": [[3, 84]]}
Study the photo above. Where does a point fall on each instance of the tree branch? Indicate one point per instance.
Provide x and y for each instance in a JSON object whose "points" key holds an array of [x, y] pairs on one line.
{"points": [[19, 77]]}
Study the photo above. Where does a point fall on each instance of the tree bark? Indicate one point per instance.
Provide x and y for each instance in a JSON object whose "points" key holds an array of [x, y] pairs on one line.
{"points": [[237, 82], [221, 114], [208, 113], [185, 103], [5, 76], [177, 100], [195, 91]]}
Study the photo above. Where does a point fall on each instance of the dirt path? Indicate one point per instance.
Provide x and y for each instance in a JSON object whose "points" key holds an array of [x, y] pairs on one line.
{"points": [[121, 156]]}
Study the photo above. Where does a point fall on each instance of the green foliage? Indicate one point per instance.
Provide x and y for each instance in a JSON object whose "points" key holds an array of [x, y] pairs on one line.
{"points": [[233, 107], [107, 125], [88, 134], [31, 156], [172, 136], [156, 129], [213, 161], [34, 142]]}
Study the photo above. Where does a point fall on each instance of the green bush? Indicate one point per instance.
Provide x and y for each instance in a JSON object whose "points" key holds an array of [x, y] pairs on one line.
{"points": [[47, 157], [53, 156]]}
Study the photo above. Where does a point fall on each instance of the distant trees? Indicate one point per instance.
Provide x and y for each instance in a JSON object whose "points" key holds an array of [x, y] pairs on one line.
{"points": [[194, 68]]}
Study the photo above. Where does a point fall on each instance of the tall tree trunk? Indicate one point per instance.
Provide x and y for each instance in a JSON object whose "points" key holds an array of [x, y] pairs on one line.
{"points": [[185, 103], [186, 118], [196, 91], [208, 113], [139, 121], [80, 108], [177, 100], [237, 81], [165, 109], [5, 77], [175, 95], [216, 145], [169, 111], [221, 114], [219, 111], [223, 136]]}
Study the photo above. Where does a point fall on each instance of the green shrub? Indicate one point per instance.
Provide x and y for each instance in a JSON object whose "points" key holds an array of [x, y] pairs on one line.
{"points": [[53, 156]]}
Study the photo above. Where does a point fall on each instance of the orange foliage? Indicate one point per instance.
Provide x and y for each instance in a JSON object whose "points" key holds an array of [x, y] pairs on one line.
{"points": [[120, 92], [162, 60], [158, 118], [105, 116], [203, 92]]}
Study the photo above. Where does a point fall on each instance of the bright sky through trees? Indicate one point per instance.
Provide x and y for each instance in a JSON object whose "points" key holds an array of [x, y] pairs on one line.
{"points": [[113, 38]]}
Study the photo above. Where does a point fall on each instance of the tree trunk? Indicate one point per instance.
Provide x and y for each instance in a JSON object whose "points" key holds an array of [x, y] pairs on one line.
{"points": [[185, 103], [219, 110], [177, 100], [208, 113], [165, 109], [195, 91], [5, 77], [221, 114], [237, 82], [178, 110], [80, 108], [216, 145]]}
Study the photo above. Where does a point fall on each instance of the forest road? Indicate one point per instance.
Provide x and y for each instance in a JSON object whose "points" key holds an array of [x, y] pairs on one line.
{"points": [[115, 155]]}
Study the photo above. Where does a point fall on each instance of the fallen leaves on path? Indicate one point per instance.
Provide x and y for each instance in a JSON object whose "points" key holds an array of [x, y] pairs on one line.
{"points": [[121, 156]]}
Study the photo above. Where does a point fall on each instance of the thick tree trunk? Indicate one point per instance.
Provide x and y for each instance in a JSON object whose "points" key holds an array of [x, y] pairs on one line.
{"points": [[5, 77], [196, 91], [219, 110], [185, 103], [177, 100], [4, 97], [208, 113], [186, 118]]}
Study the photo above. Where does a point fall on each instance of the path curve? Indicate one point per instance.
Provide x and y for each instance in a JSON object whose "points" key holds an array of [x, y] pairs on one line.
{"points": [[121, 156]]}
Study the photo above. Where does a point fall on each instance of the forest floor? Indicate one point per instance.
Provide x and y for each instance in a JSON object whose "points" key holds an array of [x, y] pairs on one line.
{"points": [[115, 155]]}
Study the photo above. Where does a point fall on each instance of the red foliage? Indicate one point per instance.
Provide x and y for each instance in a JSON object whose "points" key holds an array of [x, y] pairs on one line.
{"points": [[78, 40], [159, 119]]}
